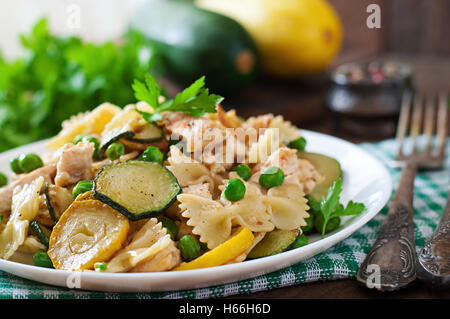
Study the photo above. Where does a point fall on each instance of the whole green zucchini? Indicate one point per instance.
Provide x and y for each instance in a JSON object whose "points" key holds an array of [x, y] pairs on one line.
{"points": [[193, 42]]}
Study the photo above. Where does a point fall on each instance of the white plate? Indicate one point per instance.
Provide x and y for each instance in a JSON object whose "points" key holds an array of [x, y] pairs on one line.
{"points": [[365, 179]]}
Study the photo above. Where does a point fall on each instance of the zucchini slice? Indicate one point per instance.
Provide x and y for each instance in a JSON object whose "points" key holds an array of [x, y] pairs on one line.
{"points": [[113, 136], [41, 232], [148, 133], [57, 200], [137, 189], [85, 196], [274, 243], [88, 232], [48, 201], [328, 167]]}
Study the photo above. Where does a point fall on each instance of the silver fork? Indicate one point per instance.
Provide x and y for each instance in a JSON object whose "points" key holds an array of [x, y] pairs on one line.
{"points": [[391, 262]]}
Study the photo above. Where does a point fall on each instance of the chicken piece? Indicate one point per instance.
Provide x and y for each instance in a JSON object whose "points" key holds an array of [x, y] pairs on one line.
{"points": [[6, 193], [197, 132], [296, 171], [74, 164], [259, 123]]}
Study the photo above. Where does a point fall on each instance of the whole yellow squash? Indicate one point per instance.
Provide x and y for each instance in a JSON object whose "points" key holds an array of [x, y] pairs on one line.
{"points": [[294, 37]]}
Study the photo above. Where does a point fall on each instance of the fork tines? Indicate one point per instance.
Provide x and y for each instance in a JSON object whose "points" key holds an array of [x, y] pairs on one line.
{"points": [[423, 115]]}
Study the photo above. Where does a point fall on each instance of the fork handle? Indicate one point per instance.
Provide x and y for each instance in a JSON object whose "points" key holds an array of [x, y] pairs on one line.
{"points": [[391, 263], [434, 257]]}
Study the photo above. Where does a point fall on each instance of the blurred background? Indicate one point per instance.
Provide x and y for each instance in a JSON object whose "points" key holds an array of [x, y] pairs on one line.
{"points": [[336, 66]]}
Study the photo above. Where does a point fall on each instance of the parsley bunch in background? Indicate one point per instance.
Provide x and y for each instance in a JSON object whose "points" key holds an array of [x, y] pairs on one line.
{"points": [[60, 77]]}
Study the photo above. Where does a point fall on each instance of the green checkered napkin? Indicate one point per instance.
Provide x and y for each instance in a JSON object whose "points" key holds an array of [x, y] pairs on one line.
{"points": [[340, 261]]}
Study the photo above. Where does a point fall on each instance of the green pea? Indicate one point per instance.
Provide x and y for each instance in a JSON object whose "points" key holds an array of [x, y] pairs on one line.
{"points": [[332, 224], [3, 179], [189, 247], [299, 144], [14, 164], [115, 150], [79, 138], [314, 206], [235, 190], [91, 139], [82, 187], [271, 177], [100, 266], [301, 241], [309, 224], [152, 154], [95, 142], [171, 226], [41, 259], [243, 171], [29, 162]]}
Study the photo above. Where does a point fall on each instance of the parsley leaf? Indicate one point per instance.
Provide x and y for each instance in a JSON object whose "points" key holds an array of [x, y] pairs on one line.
{"points": [[148, 92], [194, 100], [352, 208], [330, 206]]}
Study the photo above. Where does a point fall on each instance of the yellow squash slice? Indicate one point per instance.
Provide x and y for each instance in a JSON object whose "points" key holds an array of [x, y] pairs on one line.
{"points": [[88, 232], [225, 252]]}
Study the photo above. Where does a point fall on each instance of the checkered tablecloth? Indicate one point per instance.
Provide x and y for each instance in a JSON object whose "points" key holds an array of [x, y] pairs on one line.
{"points": [[338, 262]]}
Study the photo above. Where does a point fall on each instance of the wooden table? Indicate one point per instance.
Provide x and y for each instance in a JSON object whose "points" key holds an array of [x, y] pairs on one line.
{"points": [[302, 102]]}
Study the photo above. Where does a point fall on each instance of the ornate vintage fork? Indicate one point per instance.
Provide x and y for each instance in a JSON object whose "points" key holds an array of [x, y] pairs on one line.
{"points": [[391, 263]]}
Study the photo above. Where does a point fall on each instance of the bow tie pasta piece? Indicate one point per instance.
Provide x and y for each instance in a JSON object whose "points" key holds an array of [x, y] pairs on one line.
{"points": [[250, 211], [165, 259], [92, 122], [209, 219], [150, 249], [186, 170], [287, 206], [25, 207]]}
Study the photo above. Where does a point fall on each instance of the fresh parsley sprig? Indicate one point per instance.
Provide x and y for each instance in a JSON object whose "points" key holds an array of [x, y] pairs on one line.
{"points": [[330, 206], [194, 100]]}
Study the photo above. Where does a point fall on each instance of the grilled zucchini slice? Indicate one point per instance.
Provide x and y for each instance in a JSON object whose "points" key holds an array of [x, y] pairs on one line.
{"points": [[274, 243], [48, 201], [328, 167], [57, 200], [137, 189], [88, 232], [41, 232], [113, 136], [146, 134]]}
